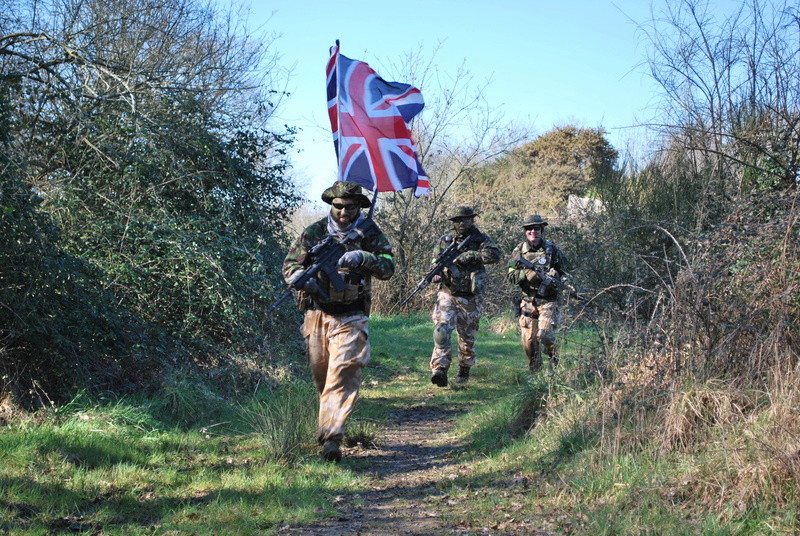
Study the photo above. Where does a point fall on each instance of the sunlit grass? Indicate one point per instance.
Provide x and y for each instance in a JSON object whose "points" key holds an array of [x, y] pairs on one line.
{"points": [[116, 469]]}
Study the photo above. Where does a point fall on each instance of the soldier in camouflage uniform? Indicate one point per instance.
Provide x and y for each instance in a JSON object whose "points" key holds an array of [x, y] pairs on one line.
{"points": [[458, 303], [335, 324], [539, 311]]}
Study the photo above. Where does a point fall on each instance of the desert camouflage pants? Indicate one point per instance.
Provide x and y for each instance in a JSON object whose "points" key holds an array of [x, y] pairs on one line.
{"points": [[463, 315], [537, 325], [338, 348]]}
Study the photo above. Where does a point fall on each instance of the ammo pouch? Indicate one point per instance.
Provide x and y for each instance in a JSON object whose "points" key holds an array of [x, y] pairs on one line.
{"points": [[353, 290], [304, 301], [478, 281], [355, 295]]}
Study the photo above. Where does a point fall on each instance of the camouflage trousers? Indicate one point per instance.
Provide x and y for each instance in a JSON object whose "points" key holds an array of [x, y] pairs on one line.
{"points": [[337, 348], [463, 315], [537, 325]]}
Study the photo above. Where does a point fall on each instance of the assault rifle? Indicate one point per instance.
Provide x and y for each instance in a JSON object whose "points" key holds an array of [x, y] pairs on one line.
{"points": [[324, 257], [547, 281], [443, 260]]}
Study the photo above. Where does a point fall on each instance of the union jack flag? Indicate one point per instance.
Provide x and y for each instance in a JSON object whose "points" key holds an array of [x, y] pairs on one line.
{"points": [[370, 122]]}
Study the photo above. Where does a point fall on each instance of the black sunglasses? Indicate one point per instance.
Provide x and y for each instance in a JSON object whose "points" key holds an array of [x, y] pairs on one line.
{"points": [[345, 206]]}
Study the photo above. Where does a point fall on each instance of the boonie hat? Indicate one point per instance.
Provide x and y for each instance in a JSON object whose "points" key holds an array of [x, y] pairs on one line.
{"points": [[460, 213], [534, 220], [346, 190]]}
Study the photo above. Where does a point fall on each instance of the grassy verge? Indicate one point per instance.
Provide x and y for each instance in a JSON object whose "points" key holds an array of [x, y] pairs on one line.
{"points": [[116, 468], [548, 453]]}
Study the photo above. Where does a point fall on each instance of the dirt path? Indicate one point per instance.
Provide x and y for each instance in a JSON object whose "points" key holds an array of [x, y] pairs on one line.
{"points": [[416, 451]]}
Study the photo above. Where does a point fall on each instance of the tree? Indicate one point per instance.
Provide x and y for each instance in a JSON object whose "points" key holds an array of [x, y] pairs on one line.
{"points": [[730, 91], [538, 176], [144, 128]]}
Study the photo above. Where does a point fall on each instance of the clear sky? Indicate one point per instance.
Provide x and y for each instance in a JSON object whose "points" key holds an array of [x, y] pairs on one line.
{"points": [[550, 62]]}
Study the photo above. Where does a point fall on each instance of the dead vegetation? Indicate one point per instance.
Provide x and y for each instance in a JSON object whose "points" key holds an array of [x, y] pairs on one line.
{"points": [[715, 372]]}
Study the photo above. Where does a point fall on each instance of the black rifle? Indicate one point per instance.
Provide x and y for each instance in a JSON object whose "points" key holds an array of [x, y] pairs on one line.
{"points": [[546, 281], [325, 256], [443, 260]]}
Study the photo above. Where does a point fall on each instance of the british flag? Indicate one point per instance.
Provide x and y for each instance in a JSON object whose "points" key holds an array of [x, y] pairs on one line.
{"points": [[370, 122]]}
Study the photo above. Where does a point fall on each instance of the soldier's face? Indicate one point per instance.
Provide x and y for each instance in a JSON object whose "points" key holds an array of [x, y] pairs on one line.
{"points": [[462, 225], [344, 211], [534, 234]]}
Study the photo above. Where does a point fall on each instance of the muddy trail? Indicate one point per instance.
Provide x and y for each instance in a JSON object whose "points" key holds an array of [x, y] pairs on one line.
{"points": [[417, 452], [409, 474]]}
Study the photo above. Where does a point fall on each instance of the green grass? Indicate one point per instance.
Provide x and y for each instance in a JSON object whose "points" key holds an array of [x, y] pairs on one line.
{"points": [[539, 455], [116, 469]]}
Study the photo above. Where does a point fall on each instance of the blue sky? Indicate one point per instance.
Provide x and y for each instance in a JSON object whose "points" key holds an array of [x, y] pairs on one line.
{"points": [[550, 63]]}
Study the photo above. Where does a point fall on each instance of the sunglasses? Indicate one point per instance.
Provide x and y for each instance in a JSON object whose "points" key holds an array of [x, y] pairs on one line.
{"points": [[345, 206]]}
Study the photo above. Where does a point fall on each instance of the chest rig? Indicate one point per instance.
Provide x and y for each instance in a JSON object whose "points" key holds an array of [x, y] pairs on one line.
{"points": [[543, 255]]}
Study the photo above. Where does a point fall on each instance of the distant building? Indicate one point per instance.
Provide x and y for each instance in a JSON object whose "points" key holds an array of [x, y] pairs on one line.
{"points": [[578, 208]]}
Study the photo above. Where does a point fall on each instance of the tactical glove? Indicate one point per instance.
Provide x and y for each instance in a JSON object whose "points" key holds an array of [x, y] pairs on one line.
{"points": [[310, 285], [293, 279], [532, 276], [351, 260], [359, 261]]}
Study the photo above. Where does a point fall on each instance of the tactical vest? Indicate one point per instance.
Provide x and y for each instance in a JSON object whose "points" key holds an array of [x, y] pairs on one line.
{"points": [[543, 256], [466, 280], [355, 297]]}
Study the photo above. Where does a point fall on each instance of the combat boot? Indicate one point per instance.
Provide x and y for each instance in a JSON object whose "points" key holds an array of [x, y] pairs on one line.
{"points": [[331, 451], [439, 377], [463, 374]]}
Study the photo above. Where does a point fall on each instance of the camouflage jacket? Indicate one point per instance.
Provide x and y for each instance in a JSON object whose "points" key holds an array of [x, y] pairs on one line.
{"points": [[546, 255], [468, 276], [356, 297]]}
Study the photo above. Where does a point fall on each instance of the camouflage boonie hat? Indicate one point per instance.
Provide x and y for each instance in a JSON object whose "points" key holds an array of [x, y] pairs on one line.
{"points": [[460, 213], [534, 220], [346, 190]]}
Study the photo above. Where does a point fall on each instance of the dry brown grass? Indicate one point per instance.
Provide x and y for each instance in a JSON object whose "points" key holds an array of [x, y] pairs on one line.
{"points": [[10, 411], [692, 414], [749, 457]]}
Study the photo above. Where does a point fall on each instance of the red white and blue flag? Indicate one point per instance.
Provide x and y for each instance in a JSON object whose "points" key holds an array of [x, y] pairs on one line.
{"points": [[370, 122]]}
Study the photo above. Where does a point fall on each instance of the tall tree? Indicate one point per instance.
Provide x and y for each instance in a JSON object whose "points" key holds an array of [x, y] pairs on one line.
{"points": [[145, 129]]}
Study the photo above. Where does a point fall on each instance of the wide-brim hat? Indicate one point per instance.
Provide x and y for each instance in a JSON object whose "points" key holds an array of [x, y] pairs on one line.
{"points": [[459, 213], [346, 190], [534, 220]]}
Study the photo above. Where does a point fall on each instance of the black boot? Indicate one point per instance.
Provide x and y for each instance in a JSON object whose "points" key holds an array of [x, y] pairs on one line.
{"points": [[463, 374], [331, 451], [439, 377]]}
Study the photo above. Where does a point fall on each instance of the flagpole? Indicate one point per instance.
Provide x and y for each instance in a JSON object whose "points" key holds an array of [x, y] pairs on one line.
{"points": [[338, 117], [374, 202]]}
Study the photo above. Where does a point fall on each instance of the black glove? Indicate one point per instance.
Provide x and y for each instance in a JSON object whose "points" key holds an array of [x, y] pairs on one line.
{"points": [[311, 285], [351, 260]]}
